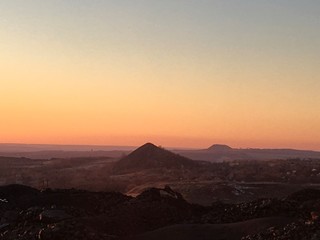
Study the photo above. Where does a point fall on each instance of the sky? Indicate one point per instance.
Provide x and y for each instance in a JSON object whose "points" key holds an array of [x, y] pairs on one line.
{"points": [[179, 73]]}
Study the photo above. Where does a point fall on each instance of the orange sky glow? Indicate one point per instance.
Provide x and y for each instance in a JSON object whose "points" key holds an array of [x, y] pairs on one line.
{"points": [[173, 73]]}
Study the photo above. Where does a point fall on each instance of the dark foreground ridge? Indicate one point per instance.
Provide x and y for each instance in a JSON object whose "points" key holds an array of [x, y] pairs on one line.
{"points": [[29, 214]]}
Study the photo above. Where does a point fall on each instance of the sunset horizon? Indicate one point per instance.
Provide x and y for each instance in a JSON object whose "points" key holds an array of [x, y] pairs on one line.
{"points": [[181, 74], [159, 119], [175, 145]]}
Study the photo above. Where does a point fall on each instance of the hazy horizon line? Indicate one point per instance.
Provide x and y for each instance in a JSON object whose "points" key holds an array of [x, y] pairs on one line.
{"points": [[136, 146]]}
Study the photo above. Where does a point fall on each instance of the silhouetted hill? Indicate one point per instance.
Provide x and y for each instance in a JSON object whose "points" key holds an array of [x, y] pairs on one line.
{"points": [[219, 147], [150, 156], [219, 153]]}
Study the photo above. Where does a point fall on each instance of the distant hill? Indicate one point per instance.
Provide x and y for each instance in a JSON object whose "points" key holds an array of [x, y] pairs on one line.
{"points": [[219, 147], [214, 153], [221, 152], [150, 156]]}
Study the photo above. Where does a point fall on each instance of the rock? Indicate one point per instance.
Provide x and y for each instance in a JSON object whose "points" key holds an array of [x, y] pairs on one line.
{"points": [[314, 216], [305, 195], [53, 216], [52, 232], [77, 215], [156, 194], [10, 217], [4, 227]]}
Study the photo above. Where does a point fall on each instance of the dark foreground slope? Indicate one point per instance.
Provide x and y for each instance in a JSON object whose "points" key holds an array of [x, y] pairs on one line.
{"points": [[228, 231], [29, 214]]}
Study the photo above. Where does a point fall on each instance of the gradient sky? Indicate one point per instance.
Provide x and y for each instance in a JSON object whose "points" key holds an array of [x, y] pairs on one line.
{"points": [[174, 72]]}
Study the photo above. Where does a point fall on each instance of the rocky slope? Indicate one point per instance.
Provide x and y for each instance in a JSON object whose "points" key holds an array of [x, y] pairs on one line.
{"points": [[28, 214]]}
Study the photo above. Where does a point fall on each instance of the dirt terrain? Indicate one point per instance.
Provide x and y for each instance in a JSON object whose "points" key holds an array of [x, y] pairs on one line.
{"points": [[29, 214], [153, 193], [151, 166]]}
